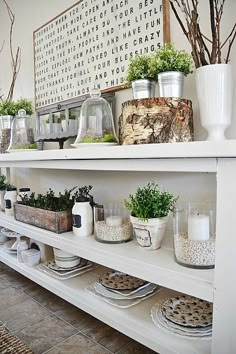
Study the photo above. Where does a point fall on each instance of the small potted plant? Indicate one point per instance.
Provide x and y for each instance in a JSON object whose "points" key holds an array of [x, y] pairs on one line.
{"points": [[3, 186], [141, 76], [150, 208], [70, 125], [171, 65]]}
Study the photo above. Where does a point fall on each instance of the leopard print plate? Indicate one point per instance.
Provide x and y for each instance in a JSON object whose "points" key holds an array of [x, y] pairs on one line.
{"points": [[188, 311], [120, 281]]}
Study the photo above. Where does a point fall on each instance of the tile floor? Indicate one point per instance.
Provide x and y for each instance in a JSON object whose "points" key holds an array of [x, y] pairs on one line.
{"points": [[48, 324]]}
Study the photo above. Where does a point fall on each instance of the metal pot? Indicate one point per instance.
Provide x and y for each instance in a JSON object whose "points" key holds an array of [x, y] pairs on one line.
{"points": [[171, 84], [143, 89]]}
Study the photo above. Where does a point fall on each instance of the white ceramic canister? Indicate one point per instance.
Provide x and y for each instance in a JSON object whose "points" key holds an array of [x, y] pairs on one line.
{"points": [[10, 199], [22, 192], [21, 246], [82, 214]]}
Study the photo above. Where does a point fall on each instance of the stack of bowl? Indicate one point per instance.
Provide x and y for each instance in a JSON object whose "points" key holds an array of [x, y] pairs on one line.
{"points": [[64, 259]]}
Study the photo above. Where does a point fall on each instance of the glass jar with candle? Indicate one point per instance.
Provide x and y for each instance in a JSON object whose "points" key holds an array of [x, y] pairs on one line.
{"points": [[194, 235], [115, 226]]}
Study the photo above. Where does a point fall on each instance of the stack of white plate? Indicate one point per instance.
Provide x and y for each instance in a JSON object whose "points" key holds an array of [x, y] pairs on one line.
{"points": [[10, 246], [3, 237], [122, 290], [52, 269], [185, 316]]}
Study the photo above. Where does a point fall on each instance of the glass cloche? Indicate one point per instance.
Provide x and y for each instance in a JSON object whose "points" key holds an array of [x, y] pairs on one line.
{"points": [[22, 133], [96, 124]]}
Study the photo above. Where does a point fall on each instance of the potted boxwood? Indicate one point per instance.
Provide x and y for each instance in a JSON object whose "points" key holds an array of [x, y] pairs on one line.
{"points": [[25, 104], [150, 208], [47, 211], [4, 184], [141, 77], [171, 65]]}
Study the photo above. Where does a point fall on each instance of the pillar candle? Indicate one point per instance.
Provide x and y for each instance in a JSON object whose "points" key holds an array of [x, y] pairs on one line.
{"points": [[198, 227], [114, 221]]}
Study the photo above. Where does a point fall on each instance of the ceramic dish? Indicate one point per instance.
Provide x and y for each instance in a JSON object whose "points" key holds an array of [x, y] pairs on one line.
{"points": [[129, 292], [8, 246], [64, 259], [112, 295], [53, 266], [10, 233], [119, 303], [60, 276], [83, 265], [188, 311], [120, 281], [192, 333]]}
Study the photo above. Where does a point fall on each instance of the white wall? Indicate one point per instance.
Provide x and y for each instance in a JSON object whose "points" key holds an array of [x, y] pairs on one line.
{"points": [[31, 14]]}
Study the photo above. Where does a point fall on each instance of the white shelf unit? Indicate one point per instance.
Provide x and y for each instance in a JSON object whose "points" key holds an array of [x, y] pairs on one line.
{"points": [[135, 321], [214, 285]]}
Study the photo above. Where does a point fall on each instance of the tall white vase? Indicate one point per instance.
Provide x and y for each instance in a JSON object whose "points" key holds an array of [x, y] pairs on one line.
{"points": [[215, 96]]}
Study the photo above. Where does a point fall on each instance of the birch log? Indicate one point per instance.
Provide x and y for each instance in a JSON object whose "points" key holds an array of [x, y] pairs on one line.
{"points": [[156, 120]]}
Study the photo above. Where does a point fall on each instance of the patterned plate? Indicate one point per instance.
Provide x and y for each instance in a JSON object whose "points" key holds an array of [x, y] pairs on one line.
{"points": [[188, 311], [120, 281], [9, 233]]}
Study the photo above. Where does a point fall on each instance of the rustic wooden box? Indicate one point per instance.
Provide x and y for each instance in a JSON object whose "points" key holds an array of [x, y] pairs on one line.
{"points": [[156, 120], [60, 221]]}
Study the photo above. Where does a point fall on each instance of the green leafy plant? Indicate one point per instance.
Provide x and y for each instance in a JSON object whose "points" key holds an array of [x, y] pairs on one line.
{"points": [[8, 108], [140, 68], [4, 184], [27, 146], [49, 201], [170, 59], [107, 138], [150, 202], [25, 104]]}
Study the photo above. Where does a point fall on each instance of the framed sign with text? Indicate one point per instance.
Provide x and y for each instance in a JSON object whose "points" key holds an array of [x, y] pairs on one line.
{"points": [[91, 43]]}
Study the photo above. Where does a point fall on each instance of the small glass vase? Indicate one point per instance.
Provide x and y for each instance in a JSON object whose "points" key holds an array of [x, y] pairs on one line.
{"points": [[194, 235]]}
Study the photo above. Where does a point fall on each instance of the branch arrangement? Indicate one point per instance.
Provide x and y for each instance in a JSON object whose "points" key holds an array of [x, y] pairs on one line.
{"points": [[205, 50], [15, 57]]}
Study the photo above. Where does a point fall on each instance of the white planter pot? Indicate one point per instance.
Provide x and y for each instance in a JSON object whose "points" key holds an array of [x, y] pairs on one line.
{"points": [[215, 96], [149, 234], [171, 84]]}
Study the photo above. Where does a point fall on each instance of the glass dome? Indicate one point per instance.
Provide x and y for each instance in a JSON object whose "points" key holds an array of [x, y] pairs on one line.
{"points": [[96, 124], [22, 133]]}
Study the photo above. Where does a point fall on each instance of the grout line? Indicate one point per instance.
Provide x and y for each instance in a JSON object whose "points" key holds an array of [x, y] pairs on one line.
{"points": [[55, 346]]}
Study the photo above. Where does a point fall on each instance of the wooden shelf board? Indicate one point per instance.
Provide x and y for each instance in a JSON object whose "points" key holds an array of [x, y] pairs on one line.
{"points": [[155, 266]]}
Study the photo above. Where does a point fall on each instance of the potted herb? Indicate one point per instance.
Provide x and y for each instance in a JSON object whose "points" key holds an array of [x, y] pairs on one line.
{"points": [[3, 186], [150, 208], [141, 77], [211, 55], [171, 65], [47, 211]]}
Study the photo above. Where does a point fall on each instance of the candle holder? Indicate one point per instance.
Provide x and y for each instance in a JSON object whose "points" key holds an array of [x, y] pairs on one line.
{"points": [[194, 235], [115, 226]]}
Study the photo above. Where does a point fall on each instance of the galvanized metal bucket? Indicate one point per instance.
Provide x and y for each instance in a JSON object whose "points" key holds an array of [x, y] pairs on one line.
{"points": [[143, 89], [171, 84]]}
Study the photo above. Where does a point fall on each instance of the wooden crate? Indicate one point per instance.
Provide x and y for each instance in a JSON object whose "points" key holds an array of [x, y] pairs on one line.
{"points": [[156, 120], [60, 221]]}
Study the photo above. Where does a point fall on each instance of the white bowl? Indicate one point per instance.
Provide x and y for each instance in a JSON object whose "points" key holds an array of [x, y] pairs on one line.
{"points": [[64, 259]]}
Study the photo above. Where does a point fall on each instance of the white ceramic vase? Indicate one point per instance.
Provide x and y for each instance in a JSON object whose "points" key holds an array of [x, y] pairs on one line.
{"points": [[215, 96], [149, 234]]}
